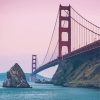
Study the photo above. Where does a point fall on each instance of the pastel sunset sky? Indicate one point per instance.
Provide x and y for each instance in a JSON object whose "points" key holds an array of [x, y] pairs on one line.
{"points": [[26, 27]]}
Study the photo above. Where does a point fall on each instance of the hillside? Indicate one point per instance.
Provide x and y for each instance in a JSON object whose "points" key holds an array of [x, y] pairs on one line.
{"points": [[82, 70]]}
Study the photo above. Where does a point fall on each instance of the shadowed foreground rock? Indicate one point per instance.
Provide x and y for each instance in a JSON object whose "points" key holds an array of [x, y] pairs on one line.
{"points": [[82, 70], [16, 78]]}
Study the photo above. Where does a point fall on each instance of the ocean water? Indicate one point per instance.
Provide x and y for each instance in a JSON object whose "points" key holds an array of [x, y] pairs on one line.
{"points": [[48, 92]]}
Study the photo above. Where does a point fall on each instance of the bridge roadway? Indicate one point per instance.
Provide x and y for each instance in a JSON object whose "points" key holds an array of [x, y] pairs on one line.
{"points": [[90, 47]]}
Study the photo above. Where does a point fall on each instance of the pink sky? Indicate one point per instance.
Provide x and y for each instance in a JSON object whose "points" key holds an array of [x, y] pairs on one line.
{"points": [[26, 27]]}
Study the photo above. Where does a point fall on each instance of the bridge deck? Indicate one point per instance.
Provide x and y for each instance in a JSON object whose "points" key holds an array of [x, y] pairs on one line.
{"points": [[86, 48]]}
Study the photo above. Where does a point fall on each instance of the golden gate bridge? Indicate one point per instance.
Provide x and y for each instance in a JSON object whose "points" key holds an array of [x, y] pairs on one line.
{"points": [[81, 36]]}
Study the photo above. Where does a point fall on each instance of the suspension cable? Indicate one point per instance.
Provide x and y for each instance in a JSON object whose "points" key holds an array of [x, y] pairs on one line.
{"points": [[51, 38], [54, 51], [84, 18], [84, 26], [38, 64], [56, 46]]}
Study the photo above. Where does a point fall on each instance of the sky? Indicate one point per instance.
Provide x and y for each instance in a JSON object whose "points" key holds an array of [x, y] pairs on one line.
{"points": [[26, 27]]}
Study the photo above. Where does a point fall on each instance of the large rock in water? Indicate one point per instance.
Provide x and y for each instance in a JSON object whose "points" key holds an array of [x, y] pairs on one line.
{"points": [[16, 78]]}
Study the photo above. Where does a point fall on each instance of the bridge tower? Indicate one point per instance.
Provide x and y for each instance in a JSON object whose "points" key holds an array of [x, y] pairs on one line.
{"points": [[34, 65], [34, 62], [62, 29]]}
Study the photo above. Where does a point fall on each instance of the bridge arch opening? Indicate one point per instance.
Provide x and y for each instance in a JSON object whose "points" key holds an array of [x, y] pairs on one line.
{"points": [[49, 72], [64, 36], [64, 24], [64, 13], [64, 50]]}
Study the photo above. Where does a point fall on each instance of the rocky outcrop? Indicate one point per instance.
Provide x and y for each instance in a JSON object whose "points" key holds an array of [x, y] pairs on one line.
{"points": [[16, 78], [82, 70]]}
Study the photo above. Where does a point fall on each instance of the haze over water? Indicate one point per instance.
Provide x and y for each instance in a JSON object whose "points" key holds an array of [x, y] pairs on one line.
{"points": [[48, 92]]}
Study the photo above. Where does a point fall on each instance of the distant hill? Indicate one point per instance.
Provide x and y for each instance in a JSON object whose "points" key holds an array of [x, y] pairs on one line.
{"points": [[3, 77], [37, 76]]}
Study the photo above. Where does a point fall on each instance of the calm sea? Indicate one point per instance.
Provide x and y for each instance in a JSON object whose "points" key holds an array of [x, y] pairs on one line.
{"points": [[48, 92]]}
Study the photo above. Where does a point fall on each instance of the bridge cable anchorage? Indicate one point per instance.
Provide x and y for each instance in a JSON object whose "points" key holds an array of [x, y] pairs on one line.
{"points": [[51, 38]]}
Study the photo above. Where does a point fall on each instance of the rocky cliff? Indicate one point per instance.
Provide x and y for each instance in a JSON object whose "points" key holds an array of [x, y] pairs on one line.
{"points": [[82, 70], [16, 78]]}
